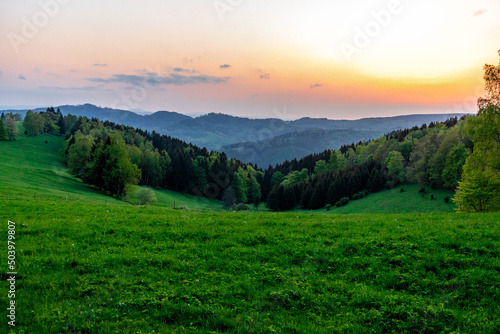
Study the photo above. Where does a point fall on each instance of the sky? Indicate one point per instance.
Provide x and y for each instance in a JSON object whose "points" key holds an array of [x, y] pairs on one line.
{"points": [[288, 59]]}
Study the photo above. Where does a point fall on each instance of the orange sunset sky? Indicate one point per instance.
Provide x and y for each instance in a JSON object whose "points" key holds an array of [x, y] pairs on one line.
{"points": [[253, 58]]}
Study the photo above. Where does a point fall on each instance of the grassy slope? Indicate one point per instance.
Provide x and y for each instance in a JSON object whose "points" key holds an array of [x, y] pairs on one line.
{"points": [[35, 169], [87, 267], [393, 201]]}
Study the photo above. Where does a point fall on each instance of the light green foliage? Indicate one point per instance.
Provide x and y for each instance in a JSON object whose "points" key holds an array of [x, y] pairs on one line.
{"points": [[296, 177], [254, 193], [141, 196], [33, 123], [150, 168], [166, 165], [395, 166], [480, 187], [10, 125], [321, 167], [407, 147], [455, 160], [337, 160], [422, 155], [240, 186], [437, 163], [351, 157], [79, 157], [277, 178]]}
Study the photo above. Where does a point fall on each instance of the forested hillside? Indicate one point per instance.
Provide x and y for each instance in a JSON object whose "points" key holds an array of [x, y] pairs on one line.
{"points": [[113, 157]]}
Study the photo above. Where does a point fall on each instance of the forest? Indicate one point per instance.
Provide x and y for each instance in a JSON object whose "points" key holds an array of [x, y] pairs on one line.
{"points": [[458, 154]]}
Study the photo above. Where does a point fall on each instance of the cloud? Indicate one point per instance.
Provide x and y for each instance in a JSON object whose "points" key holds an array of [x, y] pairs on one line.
{"points": [[84, 88], [21, 77], [266, 76], [101, 65], [153, 79], [180, 70], [479, 12], [224, 66], [316, 85]]}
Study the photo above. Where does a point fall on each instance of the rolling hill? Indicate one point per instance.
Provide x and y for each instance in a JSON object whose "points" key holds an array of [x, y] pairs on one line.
{"points": [[267, 137]]}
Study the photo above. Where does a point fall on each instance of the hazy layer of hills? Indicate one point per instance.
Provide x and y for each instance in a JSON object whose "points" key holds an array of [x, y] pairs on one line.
{"points": [[261, 141]]}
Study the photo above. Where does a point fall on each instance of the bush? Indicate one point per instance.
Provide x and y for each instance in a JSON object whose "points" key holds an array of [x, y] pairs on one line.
{"points": [[343, 202], [140, 196], [358, 196], [242, 207], [328, 207]]}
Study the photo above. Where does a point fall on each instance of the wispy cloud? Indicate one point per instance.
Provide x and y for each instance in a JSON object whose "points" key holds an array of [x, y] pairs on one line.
{"points": [[183, 70], [316, 85], [153, 79], [224, 66], [180, 69], [84, 88], [266, 76], [21, 77], [479, 12], [101, 65]]}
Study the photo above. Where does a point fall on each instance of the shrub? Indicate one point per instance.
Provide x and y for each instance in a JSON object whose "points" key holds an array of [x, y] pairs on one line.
{"points": [[328, 207], [343, 201], [140, 196], [242, 207], [358, 196]]}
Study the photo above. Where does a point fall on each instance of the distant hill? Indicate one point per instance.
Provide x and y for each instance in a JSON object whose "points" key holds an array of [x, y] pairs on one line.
{"points": [[295, 145], [266, 139]]}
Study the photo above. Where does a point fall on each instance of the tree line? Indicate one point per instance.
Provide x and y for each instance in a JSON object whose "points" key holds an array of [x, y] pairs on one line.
{"points": [[112, 157]]}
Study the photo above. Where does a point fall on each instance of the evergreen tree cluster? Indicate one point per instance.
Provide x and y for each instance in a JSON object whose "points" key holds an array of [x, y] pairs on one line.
{"points": [[94, 148]]}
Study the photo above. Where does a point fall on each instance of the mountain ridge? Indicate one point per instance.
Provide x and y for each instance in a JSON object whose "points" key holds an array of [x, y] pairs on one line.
{"points": [[234, 134]]}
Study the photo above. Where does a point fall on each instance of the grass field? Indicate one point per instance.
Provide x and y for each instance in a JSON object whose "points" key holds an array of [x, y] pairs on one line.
{"points": [[395, 201], [91, 264]]}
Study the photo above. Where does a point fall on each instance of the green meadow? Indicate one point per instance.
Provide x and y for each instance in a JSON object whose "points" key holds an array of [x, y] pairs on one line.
{"points": [[88, 263], [408, 201]]}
